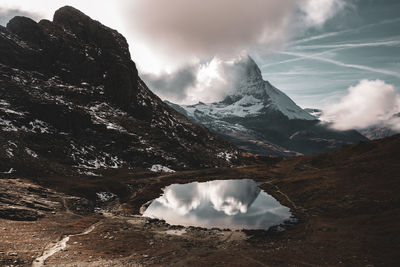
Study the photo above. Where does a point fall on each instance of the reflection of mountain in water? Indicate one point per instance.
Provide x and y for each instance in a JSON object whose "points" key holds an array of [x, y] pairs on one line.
{"points": [[223, 203], [231, 197]]}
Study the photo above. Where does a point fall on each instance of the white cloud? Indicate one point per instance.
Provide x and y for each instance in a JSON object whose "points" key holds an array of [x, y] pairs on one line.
{"points": [[367, 104], [183, 34], [185, 31], [214, 82], [206, 82], [181, 199], [181, 30], [230, 197], [318, 11]]}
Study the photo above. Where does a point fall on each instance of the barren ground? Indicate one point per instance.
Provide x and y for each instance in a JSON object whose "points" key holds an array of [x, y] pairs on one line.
{"points": [[347, 204]]}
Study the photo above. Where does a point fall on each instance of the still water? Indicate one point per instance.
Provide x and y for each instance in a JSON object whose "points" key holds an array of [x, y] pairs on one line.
{"points": [[233, 204]]}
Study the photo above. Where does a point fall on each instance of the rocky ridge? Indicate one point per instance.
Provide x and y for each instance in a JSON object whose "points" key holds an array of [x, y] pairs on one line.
{"points": [[70, 96]]}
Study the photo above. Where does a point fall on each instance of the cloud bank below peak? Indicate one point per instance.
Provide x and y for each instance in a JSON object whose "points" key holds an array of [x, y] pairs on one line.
{"points": [[369, 103]]}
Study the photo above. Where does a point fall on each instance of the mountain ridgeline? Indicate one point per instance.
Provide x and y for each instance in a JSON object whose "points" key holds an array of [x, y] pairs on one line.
{"points": [[71, 100], [261, 119]]}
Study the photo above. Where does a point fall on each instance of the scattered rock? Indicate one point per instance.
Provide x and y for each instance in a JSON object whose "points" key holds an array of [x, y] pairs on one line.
{"points": [[20, 214]]}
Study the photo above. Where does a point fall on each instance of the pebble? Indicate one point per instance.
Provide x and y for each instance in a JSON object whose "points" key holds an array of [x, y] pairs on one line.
{"points": [[13, 254]]}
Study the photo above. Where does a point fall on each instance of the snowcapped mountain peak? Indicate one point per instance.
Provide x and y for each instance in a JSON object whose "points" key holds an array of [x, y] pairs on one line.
{"points": [[251, 97], [280, 101], [251, 83], [259, 118], [251, 70], [249, 79]]}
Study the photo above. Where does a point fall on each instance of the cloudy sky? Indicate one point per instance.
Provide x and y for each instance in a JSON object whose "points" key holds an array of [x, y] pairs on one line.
{"points": [[317, 67], [316, 51]]}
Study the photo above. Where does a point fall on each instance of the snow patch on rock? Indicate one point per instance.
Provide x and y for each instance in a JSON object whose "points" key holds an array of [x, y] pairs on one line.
{"points": [[5, 107], [105, 196], [89, 157], [160, 168], [101, 114], [226, 155], [38, 126], [12, 170], [30, 152]]}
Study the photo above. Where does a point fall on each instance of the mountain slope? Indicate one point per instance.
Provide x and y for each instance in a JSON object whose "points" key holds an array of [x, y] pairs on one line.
{"points": [[378, 132], [346, 204], [70, 96], [260, 118]]}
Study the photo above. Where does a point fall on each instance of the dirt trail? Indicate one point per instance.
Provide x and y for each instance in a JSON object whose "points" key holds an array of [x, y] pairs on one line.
{"points": [[60, 245]]}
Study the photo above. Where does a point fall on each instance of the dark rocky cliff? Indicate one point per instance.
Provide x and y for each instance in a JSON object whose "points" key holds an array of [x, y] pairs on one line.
{"points": [[71, 100]]}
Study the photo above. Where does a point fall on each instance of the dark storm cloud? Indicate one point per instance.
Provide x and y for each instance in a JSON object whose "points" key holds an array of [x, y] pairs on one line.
{"points": [[223, 27], [209, 27], [172, 86]]}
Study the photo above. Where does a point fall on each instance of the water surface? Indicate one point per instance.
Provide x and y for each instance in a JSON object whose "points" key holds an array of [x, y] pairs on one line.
{"points": [[233, 204]]}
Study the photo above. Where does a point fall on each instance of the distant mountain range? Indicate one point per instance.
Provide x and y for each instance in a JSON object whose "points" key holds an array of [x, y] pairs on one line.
{"points": [[262, 119], [378, 132], [71, 101]]}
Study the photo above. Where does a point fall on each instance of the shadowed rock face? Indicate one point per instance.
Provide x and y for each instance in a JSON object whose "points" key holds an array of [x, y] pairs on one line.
{"points": [[80, 49], [70, 93]]}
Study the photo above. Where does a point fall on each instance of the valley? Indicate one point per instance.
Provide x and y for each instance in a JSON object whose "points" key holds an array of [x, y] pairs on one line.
{"points": [[86, 146], [345, 216]]}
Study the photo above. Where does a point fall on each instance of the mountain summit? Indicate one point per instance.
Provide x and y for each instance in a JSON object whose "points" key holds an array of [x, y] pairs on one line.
{"points": [[71, 100], [252, 91], [258, 117]]}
